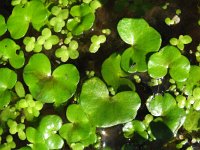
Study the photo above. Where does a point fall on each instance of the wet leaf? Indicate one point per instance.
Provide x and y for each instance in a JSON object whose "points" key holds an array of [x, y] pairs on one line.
{"points": [[8, 51], [33, 12], [165, 107], [49, 87], [49, 125], [106, 111], [169, 57], [8, 78], [83, 19], [79, 129], [142, 38], [135, 126]]}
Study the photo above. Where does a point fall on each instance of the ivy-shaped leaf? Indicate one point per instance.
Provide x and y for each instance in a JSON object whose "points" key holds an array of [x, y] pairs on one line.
{"points": [[8, 78], [143, 40], [79, 130], [45, 135], [169, 57], [49, 87], [18, 22], [3, 26], [8, 51], [106, 111], [113, 74], [166, 108], [83, 19]]}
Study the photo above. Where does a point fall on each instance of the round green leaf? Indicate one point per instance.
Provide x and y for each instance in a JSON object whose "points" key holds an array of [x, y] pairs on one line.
{"points": [[8, 50], [169, 57], [166, 106], [8, 78], [192, 81], [49, 125], [34, 136], [149, 41], [79, 129], [57, 87], [3, 27], [135, 126], [113, 74], [54, 142], [160, 105], [106, 111], [192, 121], [83, 19], [18, 21]]}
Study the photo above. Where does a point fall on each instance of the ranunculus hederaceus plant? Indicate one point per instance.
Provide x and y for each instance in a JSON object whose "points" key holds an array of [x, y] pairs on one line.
{"points": [[38, 85]]}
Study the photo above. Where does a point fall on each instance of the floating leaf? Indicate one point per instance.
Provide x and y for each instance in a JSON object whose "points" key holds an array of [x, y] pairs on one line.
{"points": [[135, 126], [142, 38], [18, 22], [3, 27], [169, 57], [83, 19], [166, 107], [113, 74], [192, 121], [8, 51], [192, 81], [80, 129], [106, 111], [57, 87], [8, 79], [45, 135]]}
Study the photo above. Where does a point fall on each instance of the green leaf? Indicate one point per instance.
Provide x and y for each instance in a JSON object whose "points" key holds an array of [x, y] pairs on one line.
{"points": [[142, 38], [160, 105], [169, 57], [113, 74], [79, 129], [19, 89], [3, 27], [83, 19], [8, 78], [166, 107], [8, 51], [33, 136], [135, 126], [57, 87], [49, 125], [191, 82], [54, 142], [192, 121], [106, 111], [18, 21]]}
